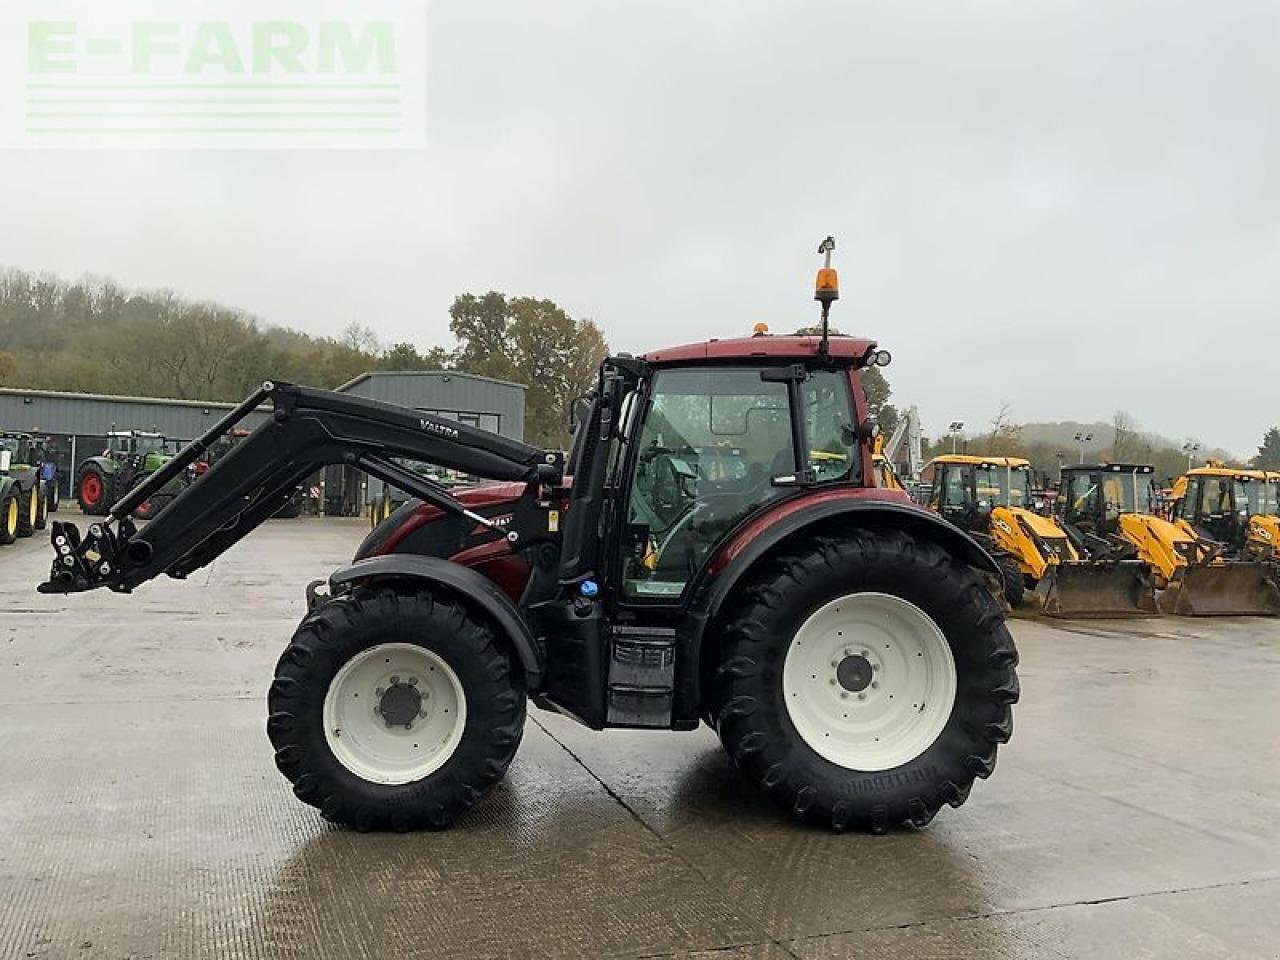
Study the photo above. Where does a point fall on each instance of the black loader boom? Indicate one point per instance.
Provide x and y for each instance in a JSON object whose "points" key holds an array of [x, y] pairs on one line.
{"points": [[309, 429]]}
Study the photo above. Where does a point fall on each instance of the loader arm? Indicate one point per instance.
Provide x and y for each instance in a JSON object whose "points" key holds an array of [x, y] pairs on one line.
{"points": [[309, 429]]}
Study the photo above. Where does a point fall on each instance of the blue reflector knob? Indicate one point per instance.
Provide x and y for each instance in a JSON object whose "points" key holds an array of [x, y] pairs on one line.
{"points": [[589, 588]]}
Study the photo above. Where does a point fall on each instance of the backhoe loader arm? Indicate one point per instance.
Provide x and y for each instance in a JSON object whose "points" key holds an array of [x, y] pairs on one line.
{"points": [[309, 429]]}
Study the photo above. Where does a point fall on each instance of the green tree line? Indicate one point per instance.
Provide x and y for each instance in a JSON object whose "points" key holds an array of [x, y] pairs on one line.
{"points": [[93, 336]]}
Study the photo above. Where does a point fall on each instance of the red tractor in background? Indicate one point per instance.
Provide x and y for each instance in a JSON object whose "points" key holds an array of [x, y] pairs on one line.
{"points": [[713, 550]]}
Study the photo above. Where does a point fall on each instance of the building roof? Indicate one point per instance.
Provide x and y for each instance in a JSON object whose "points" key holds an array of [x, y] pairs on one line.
{"points": [[111, 398], [448, 374]]}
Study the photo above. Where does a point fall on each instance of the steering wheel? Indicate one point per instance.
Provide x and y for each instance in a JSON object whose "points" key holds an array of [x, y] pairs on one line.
{"points": [[672, 487]]}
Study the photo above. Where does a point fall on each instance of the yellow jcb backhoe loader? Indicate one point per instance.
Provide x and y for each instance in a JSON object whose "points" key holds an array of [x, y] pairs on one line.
{"points": [[1240, 508], [990, 498], [882, 469], [1108, 507]]}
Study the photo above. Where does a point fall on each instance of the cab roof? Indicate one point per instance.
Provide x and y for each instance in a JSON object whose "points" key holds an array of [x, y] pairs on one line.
{"points": [[1227, 472], [1108, 467], [789, 347], [1015, 463]]}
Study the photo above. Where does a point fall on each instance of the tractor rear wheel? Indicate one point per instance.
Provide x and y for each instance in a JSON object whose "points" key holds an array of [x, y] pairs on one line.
{"points": [[1011, 576], [395, 708], [29, 512], [10, 516], [93, 490], [865, 680]]}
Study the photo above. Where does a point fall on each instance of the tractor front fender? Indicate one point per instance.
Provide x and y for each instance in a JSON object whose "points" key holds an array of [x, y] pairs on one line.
{"points": [[471, 586]]}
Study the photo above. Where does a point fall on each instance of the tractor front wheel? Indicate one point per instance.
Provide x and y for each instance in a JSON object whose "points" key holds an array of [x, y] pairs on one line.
{"points": [[865, 680], [395, 708]]}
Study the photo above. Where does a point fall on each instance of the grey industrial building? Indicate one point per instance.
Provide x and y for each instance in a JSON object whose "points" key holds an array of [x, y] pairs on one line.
{"points": [[79, 422]]}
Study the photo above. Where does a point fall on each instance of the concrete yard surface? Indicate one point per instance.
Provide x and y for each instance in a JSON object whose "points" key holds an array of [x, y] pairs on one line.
{"points": [[1135, 813]]}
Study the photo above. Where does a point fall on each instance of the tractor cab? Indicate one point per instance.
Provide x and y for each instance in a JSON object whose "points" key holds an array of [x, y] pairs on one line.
{"points": [[1093, 497], [1235, 507], [16, 450], [126, 443], [703, 443], [1217, 501], [965, 489]]}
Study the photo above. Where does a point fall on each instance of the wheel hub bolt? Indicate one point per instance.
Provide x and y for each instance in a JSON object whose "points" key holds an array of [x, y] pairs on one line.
{"points": [[413, 681], [875, 685], [378, 692], [862, 696], [394, 680]]}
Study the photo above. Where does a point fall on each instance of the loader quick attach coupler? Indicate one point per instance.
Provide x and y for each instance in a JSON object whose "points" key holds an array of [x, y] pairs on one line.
{"points": [[94, 560]]}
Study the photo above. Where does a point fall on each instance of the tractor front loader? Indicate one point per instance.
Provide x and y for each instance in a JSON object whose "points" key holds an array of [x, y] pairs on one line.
{"points": [[721, 554], [990, 497], [1109, 507]]}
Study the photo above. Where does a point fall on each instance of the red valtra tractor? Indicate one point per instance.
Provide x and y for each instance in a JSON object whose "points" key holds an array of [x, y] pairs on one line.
{"points": [[712, 550]]}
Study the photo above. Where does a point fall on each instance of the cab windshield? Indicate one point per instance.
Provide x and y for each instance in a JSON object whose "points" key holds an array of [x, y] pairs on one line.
{"points": [[149, 444], [1130, 492], [1003, 486], [1260, 497]]}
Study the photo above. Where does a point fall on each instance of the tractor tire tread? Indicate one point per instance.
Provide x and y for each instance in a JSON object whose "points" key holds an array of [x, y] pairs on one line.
{"points": [[753, 724], [339, 629]]}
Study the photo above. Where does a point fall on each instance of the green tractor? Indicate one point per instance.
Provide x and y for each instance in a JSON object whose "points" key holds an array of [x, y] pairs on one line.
{"points": [[23, 504], [130, 457]]}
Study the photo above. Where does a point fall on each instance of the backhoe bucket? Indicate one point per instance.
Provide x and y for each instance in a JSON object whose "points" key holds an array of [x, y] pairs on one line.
{"points": [[1122, 588], [1240, 588]]}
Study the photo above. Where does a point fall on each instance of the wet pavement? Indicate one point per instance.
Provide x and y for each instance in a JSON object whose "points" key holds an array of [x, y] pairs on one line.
{"points": [[1135, 813]]}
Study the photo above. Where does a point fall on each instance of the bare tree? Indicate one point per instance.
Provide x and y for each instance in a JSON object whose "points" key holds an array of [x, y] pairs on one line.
{"points": [[1125, 434], [361, 338]]}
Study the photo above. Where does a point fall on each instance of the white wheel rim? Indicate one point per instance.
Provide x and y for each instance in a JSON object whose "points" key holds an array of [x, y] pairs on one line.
{"points": [[869, 681], [375, 685]]}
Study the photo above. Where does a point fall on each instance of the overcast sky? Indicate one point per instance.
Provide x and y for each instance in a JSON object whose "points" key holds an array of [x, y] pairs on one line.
{"points": [[1069, 205]]}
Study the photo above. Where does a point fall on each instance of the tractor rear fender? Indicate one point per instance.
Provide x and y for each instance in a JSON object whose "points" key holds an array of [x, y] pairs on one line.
{"points": [[767, 535], [105, 464], [475, 589]]}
